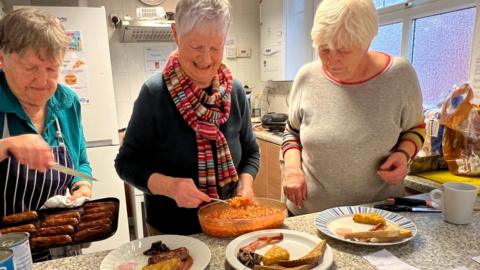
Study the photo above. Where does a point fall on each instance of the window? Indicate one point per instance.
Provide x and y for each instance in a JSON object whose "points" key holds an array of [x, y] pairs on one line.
{"points": [[435, 35], [387, 3], [441, 52], [389, 39]]}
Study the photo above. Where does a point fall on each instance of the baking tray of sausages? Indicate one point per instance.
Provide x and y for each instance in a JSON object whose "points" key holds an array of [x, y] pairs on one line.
{"points": [[95, 220]]}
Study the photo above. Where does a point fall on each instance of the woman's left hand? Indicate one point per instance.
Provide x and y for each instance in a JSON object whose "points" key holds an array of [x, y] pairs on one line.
{"points": [[245, 186], [394, 169], [85, 190]]}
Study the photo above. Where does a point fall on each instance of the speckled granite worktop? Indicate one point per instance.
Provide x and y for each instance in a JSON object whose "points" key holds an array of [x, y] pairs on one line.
{"points": [[268, 136], [437, 245]]}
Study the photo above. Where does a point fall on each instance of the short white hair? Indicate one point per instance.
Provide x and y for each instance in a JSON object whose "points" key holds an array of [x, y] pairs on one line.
{"points": [[191, 13], [345, 23]]}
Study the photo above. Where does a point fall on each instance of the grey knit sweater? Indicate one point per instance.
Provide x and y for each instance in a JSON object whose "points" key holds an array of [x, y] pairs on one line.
{"points": [[347, 131]]}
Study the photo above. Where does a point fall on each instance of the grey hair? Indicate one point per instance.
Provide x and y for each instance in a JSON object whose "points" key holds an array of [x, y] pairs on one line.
{"points": [[348, 23], [29, 28], [189, 13]]}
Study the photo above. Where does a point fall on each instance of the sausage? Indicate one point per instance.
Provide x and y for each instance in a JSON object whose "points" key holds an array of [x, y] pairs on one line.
{"points": [[46, 241], [58, 222], [70, 214], [98, 204], [94, 223], [109, 208], [186, 264], [96, 216], [20, 217], [57, 230], [30, 228], [92, 233], [182, 253]]}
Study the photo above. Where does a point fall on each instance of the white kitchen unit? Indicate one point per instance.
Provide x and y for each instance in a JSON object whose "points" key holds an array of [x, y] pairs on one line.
{"points": [[285, 38], [109, 185], [137, 198], [99, 117]]}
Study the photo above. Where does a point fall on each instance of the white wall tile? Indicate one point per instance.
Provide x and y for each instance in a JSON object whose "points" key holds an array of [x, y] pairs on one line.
{"points": [[121, 85], [136, 80], [128, 5], [136, 57], [119, 56], [244, 6], [124, 111], [114, 4], [97, 3]]}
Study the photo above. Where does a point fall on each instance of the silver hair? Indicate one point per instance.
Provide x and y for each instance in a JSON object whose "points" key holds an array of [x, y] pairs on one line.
{"points": [[191, 13], [345, 23], [29, 28]]}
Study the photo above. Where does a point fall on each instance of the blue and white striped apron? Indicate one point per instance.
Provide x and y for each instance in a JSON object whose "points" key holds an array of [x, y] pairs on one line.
{"points": [[25, 189]]}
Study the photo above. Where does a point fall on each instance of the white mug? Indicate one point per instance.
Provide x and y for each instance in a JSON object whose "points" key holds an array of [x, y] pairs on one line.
{"points": [[457, 201]]}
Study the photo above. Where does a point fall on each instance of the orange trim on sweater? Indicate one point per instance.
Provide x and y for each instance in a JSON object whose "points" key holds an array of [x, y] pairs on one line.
{"points": [[362, 81]]}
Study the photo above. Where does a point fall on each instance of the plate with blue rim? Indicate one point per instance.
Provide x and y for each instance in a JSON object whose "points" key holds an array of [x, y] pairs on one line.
{"points": [[331, 220]]}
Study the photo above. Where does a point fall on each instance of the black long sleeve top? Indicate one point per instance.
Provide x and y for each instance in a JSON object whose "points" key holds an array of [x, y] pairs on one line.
{"points": [[158, 140]]}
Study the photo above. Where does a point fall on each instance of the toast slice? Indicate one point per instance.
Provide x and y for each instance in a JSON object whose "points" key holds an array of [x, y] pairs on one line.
{"points": [[312, 258], [279, 267], [373, 234]]}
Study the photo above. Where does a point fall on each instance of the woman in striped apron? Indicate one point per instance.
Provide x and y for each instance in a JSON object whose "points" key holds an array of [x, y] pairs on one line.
{"points": [[40, 121], [28, 189]]}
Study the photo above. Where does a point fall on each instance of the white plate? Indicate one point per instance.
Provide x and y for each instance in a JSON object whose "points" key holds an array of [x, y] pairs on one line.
{"points": [[328, 221], [133, 251], [298, 244]]}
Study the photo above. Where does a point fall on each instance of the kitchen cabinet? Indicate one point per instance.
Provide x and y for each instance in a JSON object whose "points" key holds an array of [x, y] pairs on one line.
{"points": [[268, 182], [285, 37]]}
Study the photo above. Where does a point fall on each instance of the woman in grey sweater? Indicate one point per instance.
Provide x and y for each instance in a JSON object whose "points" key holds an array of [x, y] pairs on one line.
{"points": [[355, 116]]}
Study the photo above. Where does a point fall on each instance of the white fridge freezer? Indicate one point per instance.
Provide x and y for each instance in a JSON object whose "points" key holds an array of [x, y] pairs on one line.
{"points": [[99, 117]]}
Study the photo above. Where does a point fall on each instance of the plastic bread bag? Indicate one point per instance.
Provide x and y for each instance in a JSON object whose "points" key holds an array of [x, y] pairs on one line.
{"points": [[430, 157], [461, 141]]}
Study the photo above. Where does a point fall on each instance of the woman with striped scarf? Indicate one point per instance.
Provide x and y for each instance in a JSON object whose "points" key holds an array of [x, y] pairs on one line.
{"points": [[190, 137]]}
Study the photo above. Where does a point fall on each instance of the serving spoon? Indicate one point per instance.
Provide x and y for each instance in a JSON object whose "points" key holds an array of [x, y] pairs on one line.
{"points": [[219, 200]]}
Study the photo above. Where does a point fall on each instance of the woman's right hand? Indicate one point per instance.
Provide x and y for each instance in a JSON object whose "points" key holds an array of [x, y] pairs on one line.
{"points": [[182, 190], [294, 186], [28, 149]]}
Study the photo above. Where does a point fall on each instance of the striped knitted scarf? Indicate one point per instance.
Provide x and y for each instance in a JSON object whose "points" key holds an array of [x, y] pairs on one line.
{"points": [[204, 114]]}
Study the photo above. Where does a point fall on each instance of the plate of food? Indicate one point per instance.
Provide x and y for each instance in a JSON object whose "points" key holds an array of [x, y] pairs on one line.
{"points": [[365, 226], [278, 248], [159, 252]]}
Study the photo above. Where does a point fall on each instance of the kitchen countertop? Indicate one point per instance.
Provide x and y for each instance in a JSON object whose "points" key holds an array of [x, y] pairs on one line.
{"points": [[273, 137], [437, 245], [420, 184]]}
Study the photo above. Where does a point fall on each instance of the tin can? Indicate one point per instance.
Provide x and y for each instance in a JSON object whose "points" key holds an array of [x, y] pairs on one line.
{"points": [[19, 245], [6, 259]]}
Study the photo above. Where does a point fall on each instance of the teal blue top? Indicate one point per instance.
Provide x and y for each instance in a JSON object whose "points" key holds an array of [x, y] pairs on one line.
{"points": [[65, 106]]}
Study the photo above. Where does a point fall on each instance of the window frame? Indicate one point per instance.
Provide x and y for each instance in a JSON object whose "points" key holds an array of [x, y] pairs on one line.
{"points": [[410, 10]]}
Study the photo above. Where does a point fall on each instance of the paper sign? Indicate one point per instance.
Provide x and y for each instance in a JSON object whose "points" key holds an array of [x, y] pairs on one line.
{"points": [[156, 58], [384, 260], [74, 69], [477, 259]]}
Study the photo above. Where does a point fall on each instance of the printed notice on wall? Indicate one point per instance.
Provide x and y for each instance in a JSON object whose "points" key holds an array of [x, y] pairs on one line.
{"points": [[475, 65], [156, 58], [74, 69]]}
